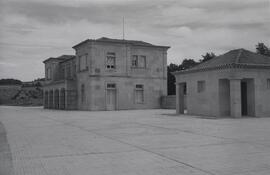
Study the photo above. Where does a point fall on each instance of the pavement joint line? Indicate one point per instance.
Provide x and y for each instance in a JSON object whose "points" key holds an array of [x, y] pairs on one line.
{"points": [[135, 146], [76, 155], [186, 131]]}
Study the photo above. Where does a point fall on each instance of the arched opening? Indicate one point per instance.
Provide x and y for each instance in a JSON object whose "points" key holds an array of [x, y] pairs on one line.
{"points": [[50, 104], [46, 99], [82, 93], [62, 99], [56, 99]]}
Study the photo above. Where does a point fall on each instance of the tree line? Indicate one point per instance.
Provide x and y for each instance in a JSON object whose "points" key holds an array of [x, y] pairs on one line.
{"points": [[261, 48]]}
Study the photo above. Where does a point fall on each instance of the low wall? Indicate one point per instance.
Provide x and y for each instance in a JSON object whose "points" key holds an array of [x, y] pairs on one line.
{"points": [[169, 102]]}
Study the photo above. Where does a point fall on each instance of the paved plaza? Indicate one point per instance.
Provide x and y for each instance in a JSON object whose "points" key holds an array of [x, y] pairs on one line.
{"points": [[34, 141]]}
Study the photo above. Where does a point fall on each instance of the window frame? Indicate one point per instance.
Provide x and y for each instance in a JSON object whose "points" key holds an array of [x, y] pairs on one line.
{"points": [[48, 73], [113, 86], [136, 60], [111, 66], [85, 57], [139, 88], [201, 86]]}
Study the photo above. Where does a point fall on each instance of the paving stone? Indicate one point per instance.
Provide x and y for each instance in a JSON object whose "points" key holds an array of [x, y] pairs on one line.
{"points": [[136, 142]]}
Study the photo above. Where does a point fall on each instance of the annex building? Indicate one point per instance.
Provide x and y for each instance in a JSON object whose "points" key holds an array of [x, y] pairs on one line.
{"points": [[235, 84], [107, 74]]}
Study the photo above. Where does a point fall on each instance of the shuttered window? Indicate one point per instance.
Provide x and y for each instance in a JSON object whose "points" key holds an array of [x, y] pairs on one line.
{"points": [[138, 61], [201, 86], [83, 62], [110, 64]]}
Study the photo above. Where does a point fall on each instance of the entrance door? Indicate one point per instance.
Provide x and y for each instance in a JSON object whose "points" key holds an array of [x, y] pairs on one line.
{"points": [[111, 97], [244, 98]]}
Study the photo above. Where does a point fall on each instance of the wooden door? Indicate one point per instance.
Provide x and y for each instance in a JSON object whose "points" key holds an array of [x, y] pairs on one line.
{"points": [[111, 99]]}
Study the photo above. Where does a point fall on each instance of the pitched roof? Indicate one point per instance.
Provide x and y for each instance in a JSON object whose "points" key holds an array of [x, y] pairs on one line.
{"points": [[60, 58], [121, 41], [142, 43], [239, 58]]}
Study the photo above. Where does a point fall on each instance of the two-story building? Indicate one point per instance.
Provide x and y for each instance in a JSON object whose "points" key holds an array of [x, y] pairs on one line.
{"points": [[107, 74]]}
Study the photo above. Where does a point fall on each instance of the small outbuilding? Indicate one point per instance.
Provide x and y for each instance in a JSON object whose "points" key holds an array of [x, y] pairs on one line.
{"points": [[234, 84]]}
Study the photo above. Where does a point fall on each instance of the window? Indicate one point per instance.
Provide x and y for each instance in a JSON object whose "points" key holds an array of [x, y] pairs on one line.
{"points": [[82, 93], [268, 83], [142, 61], [48, 73], [83, 62], [139, 96], [62, 72], [201, 86], [74, 70], [68, 71], [110, 64], [138, 61], [111, 86], [134, 61]]}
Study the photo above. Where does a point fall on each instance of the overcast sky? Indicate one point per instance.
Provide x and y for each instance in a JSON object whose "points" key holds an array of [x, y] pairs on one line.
{"points": [[33, 30]]}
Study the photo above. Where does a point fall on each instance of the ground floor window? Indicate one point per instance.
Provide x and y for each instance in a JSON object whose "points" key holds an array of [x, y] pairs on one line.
{"points": [[201, 86], [139, 94]]}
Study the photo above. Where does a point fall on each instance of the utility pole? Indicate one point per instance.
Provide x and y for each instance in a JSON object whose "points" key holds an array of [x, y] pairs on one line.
{"points": [[123, 27]]}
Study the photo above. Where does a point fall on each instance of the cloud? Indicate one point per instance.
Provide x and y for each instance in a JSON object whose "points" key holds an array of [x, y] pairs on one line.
{"points": [[33, 30]]}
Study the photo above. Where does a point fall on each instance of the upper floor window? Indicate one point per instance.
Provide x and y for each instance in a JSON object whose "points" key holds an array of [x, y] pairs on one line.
{"points": [[68, 71], [201, 86], [48, 73], [268, 83], [83, 62], [62, 72], [110, 62], [138, 61]]}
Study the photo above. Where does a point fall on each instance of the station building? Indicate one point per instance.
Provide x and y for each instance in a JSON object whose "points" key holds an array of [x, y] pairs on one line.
{"points": [[107, 74]]}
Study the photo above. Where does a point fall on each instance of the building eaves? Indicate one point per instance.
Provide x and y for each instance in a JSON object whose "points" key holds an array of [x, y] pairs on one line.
{"points": [[68, 59], [225, 66], [119, 41], [60, 58], [234, 59]]}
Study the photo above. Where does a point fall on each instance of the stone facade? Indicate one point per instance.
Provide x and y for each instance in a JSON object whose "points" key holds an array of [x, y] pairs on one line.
{"points": [[235, 84], [107, 74]]}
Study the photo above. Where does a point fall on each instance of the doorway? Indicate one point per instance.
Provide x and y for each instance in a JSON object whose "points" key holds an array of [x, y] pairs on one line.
{"points": [[182, 98], [224, 97], [244, 98], [247, 97], [111, 97]]}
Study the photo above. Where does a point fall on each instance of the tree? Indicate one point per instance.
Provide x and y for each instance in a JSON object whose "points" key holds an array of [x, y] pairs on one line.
{"points": [[171, 79], [186, 64], [262, 49], [207, 56], [10, 81]]}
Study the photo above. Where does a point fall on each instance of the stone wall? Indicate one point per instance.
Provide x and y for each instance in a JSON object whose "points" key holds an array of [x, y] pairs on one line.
{"points": [[168, 102]]}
